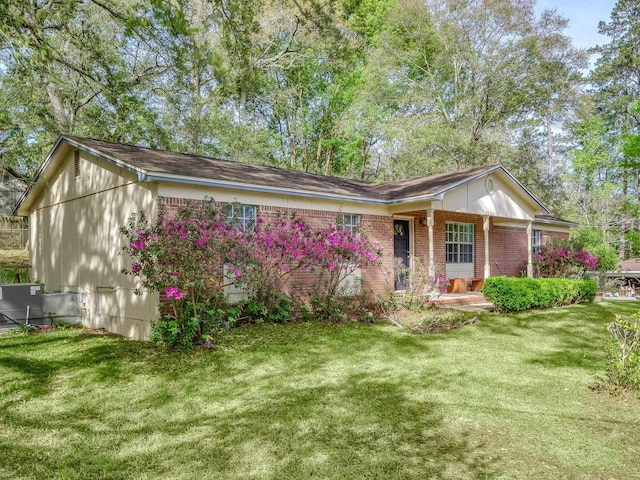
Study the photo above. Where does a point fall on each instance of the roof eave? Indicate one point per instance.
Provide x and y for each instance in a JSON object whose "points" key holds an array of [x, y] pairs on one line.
{"points": [[18, 210], [564, 223], [155, 177]]}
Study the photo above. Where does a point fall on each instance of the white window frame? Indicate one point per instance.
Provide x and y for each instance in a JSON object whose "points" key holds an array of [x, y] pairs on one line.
{"points": [[459, 239], [240, 215], [536, 242], [349, 222]]}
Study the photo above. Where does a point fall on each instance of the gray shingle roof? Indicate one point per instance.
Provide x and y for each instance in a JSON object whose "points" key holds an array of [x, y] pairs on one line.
{"points": [[152, 164], [153, 161], [431, 185]]}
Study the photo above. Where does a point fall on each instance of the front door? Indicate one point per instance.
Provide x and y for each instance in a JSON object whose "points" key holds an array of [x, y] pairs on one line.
{"points": [[401, 252]]}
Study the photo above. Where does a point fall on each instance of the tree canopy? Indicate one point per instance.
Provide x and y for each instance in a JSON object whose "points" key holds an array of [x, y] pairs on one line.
{"points": [[368, 89]]}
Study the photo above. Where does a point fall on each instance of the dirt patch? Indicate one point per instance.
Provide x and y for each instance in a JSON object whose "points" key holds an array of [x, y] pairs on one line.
{"points": [[434, 320], [14, 258]]}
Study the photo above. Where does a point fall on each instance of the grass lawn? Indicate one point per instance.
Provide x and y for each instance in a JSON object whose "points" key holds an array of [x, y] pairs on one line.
{"points": [[507, 397]]}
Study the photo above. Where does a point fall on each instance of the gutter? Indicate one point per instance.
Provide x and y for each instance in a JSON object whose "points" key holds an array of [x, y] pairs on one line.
{"points": [[561, 222]]}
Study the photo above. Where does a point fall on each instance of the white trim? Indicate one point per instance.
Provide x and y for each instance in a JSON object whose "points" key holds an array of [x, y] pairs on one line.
{"points": [[486, 222], [430, 224]]}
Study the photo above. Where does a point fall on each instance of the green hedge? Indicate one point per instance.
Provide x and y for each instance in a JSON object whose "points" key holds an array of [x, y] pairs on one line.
{"points": [[510, 294]]}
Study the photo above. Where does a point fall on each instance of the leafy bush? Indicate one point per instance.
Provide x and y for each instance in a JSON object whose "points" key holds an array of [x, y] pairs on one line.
{"points": [[193, 327], [623, 354], [593, 240], [191, 257], [277, 310], [560, 259], [423, 285], [510, 294]]}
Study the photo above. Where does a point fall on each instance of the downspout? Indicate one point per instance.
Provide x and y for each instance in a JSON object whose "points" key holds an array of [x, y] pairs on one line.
{"points": [[485, 227]]}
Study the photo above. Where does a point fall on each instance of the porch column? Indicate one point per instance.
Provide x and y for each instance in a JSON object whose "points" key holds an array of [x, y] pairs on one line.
{"points": [[529, 260], [485, 228], [430, 223]]}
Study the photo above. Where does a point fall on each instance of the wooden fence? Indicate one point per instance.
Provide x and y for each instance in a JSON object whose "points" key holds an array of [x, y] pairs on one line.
{"points": [[13, 233]]}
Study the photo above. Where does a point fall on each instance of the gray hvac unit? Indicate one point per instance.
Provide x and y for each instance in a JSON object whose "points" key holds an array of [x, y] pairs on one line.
{"points": [[22, 302]]}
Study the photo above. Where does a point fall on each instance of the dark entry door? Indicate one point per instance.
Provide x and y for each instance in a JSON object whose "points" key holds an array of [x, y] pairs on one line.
{"points": [[401, 251]]}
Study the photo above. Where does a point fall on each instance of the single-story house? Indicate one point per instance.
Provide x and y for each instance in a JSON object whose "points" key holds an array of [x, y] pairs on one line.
{"points": [[472, 223]]}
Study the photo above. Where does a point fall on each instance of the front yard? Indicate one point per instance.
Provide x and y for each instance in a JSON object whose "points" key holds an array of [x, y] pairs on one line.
{"points": [[506, 397]]}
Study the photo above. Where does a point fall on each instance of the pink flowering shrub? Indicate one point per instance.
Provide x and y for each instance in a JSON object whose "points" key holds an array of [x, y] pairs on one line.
{"points": [[190, 258], [178, 257], [422, 286], [559, 259]]}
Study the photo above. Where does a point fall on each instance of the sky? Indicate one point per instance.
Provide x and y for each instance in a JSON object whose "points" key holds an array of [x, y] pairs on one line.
{"points": [[583, 16]]}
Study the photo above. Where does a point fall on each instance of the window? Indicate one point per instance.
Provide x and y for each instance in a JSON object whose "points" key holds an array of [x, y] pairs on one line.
{"points": [[349, 222], [536, 242], [459, 242], [241, 216]]}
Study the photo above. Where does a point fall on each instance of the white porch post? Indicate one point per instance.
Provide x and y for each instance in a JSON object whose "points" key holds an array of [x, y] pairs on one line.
{"points": [[430, 223], [485, 228], [529, 260]]}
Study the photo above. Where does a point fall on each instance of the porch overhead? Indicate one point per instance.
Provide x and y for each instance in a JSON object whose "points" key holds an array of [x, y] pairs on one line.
{"points": [[487, 191]]}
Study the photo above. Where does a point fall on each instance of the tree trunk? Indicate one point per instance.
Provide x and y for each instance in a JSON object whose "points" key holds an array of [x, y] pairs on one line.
{"points": [[550, 159]]}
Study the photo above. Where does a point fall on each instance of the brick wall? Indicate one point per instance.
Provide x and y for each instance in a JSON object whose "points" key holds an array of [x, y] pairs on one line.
{"points": [[507, 245], [508, 252], [379, 228], [547, 235]]}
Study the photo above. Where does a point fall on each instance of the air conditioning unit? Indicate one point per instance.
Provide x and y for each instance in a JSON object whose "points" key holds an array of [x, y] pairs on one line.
{"points": [[22, 302]]}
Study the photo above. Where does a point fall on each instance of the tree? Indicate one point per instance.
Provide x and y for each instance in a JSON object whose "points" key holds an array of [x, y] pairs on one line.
{"points": [[75, 67], [617, 81]]}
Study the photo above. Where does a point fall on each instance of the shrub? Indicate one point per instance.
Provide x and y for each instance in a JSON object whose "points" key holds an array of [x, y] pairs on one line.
{"points": [[423, 285], [190, 258], [623, 354], [510, 294], [195, 325], [559, 259]]}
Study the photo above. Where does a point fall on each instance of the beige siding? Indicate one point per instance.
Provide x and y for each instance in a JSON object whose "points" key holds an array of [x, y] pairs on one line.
{"points": [[493, 196], [278, 201], [76, 245]]}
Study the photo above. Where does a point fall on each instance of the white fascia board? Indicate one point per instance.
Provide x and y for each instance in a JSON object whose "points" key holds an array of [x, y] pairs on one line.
{"points": [[562, 223], [419, 198], [59, 142], [205, 182], [34, 183]]}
